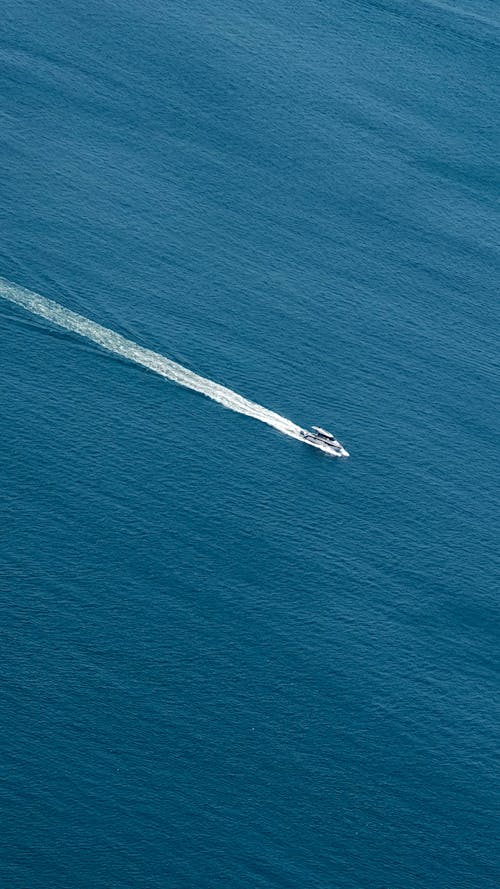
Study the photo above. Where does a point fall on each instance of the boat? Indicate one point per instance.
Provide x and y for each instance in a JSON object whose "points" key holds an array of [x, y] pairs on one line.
{"points": [[324, 441]]}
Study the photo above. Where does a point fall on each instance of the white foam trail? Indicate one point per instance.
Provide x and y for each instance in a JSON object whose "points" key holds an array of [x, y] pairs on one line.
{"points": [[119, 345]]}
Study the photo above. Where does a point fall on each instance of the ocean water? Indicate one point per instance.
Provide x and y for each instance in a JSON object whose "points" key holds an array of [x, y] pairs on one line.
{"points": [[226, 659]]}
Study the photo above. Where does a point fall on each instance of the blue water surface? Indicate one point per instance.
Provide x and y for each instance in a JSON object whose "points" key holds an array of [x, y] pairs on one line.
{"points": [[227, 660]]}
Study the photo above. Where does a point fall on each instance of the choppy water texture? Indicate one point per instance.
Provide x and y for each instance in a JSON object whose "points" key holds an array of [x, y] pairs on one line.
{"points": [[227, 660]]}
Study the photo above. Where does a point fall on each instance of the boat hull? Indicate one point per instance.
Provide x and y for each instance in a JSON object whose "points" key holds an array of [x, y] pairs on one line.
{"points": [[324, 446]]}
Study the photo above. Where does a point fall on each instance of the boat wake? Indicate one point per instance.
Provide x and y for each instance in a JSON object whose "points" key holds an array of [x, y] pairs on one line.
{"points": [[119, 345]]}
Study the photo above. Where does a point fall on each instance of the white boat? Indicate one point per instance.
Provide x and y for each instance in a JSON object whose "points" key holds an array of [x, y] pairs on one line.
{"points": [[324, 441]]}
